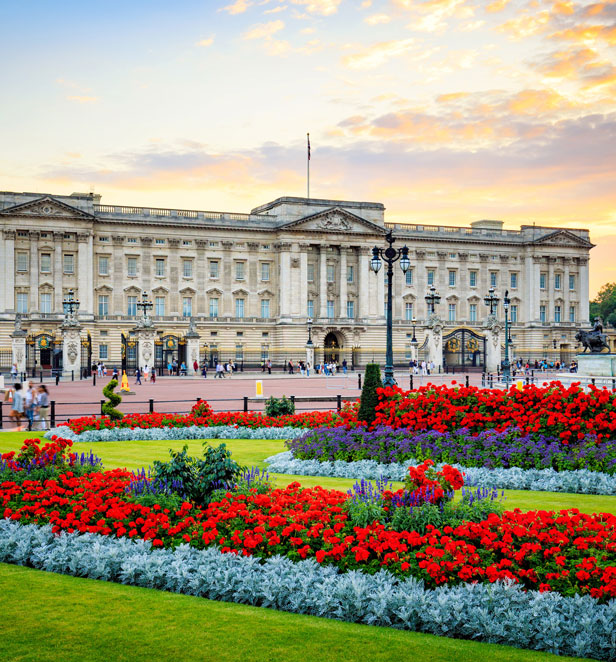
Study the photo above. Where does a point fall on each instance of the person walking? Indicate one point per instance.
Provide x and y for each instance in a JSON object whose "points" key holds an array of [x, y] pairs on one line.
{"points": [[30, 405], [42, 407], [115, 374], [14, 372], [344, 366], [17, 410], [153, 376], [269, 367], [204, 370], [146, 372], [308, 369], [196, 367], [138, 376], [169, 368], [183, 369]]}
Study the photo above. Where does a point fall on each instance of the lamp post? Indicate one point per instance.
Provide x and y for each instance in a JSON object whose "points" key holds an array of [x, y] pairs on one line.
{"points": [[309, 346], [414, 342], [145, 304], [389, 255], [433, 298], [70, 304], [491, 300], [506, 365]]}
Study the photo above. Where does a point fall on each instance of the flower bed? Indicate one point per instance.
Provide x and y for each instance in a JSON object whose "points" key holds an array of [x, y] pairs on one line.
{"points": [[499, 613], [569, 413], [580, 481], [489, 449]]}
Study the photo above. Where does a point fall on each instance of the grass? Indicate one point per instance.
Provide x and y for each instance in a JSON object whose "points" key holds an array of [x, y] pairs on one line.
{"points": [[52, 617], [249, 452]]}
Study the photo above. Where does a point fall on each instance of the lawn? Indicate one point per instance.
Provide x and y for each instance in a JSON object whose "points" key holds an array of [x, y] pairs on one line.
{"points": [[52, 617], [137, 454]]}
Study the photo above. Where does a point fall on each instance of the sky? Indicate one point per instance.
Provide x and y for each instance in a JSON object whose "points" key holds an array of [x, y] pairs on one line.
{"points": [[446, 111]]}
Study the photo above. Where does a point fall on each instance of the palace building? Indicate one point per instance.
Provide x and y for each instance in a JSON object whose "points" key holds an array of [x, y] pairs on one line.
{"points": [[250, 282]]}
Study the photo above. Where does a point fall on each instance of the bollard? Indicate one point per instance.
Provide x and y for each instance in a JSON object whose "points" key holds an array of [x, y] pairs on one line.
{"points": [[339, 403], [259, 389], [359, 382], [72, 375], [466, 381], [293, 401], [483, 379], [411, 382], [94, 378], [245, 404], [52, 416], [613, 384], [593, 381], [527, 381], [41, 376], [151, 405], [0, 414], [102, 403]]}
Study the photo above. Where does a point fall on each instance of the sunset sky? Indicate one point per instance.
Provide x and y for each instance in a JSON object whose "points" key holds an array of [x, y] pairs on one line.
{"points": [[446, 111]]}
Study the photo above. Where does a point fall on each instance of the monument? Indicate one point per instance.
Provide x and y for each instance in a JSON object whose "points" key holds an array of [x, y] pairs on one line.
{"points": [[593, 361]]}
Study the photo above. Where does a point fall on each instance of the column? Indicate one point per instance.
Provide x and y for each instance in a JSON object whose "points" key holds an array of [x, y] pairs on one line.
{"points": [[566, 293], [85, 287], [536, 283], [363, 282], [380, 292], [493, 345], [303, 280], [253, 304], [71, 350], [343, 282], [18, 346], [192, 350], [323, 283], [34, 272], [201, 305], [550, 289], [58, 269], [285, 280], [145, 348], [420, 285], [583, 297], [147, 264], [7, 302], [227, 307], [529, 290], [173, 275]]}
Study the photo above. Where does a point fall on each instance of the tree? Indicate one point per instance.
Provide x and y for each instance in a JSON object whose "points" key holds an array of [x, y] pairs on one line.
{"points": [[109, 407], [604, 305], [369, 397]]}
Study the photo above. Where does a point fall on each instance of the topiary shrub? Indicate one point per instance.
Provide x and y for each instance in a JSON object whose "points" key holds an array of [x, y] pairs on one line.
{"points": [[109, 407], [369, 398], [279, 406]]}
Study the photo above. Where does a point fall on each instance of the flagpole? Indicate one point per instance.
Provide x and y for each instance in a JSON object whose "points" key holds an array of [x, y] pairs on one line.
{"points": [[308, 168]]}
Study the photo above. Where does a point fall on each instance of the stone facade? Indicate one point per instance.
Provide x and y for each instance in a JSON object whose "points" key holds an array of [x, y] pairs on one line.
{"points": [[250, 281]]}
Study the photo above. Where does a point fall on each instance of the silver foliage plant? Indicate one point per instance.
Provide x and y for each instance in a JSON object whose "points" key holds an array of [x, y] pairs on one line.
{"points": [[170, 433], [498, 613], [581, 481]]}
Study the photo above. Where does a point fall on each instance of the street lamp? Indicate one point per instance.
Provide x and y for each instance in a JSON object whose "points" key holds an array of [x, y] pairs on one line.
{"points": [[145, 304], [309, 324], [506, 366], [433, 298], [491, 300], [389, 255], [70, 304], [414, 323]]}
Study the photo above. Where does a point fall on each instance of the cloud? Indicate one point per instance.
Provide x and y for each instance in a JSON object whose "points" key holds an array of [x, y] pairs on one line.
{"points": [[526, 25], [497, 6], [238, 7], [377, 19], [206, 42], [263, 30], [276, 10], [321, 7], [377, 54], [82, 99], [583, 65]]}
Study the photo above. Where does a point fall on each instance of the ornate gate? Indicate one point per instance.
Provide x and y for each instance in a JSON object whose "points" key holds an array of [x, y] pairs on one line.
{"points": [[130, 354], [43, 352], [168, 349], [86, 356], [464, 350]]}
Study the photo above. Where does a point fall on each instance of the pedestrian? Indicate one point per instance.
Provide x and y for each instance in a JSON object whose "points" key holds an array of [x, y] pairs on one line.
{"points": [[153, 376], [30, 405], [183, 369], [104, 370], [229, 368], [344, 366], [138, 376], [269, 367], [115, 374], [175, 367], [99, 369], [290, 367], [146, 372], [14, 372], [17, 410], [204, 370], [42, 405], [196, 366], [308, 369]]}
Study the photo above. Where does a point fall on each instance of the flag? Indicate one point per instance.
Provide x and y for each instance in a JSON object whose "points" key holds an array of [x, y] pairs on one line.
{"points": [[308, 136]]}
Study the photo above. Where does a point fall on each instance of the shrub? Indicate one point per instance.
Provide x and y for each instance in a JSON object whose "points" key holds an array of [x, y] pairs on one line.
{"points": [[201, 410], [109, 407], [369, 397], [279, 406]]}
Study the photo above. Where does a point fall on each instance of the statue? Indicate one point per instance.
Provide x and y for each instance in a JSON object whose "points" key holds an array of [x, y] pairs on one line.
{"points": [[18, 326], [594, 340]]}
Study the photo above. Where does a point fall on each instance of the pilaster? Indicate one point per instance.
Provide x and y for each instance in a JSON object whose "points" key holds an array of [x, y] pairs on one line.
{"points": [[7, 287]]}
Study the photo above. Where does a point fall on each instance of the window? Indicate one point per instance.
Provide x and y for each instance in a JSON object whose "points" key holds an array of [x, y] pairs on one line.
{"points": [[46, 263], [45, 302], [408, 311], [542, 280], [331, 273], [557, 313], [557, 279], [213, 269], [103, 266], [330, 309], [310, 273], [239, 307], [69, 263], [452, 255], [187, 306], [22, 261], [472, 278], [103, 239], [265, 270], [213, 244], [159, 267], [572, 281], [350, 311], [187, 268], [22, 302], [186, 242], [131, 266], [159, 308], [132, 305], [132, 240], [214, 307], [239, 271], [452, 312], [409, 277], [160, 242], [350, 274], [542, 314], [265, 308], [452, 279], [430, 277], [103, 304], [493, 278], [310, 308], [514, 313], [572, 313], [239, 353], [103, 351], [472, 312], [513, 280]]}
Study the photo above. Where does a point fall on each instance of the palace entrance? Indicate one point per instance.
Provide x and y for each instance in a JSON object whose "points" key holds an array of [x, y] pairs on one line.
{"points": [[130, 353], [169, 349], [43, 352], [464, 350], [332, 348]]}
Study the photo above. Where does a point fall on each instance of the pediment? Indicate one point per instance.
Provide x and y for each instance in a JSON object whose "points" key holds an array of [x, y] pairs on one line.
{"points": [[188, 290], [132, 289], [563, 238], [335, 220], [160, 290], [46, 207], [104, 289], [213, 290]]}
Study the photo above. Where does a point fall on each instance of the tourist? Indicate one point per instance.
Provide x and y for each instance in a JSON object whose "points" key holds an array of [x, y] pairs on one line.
{"points": [[175, 367], [115, 374], [290, 367], [42, 407], [183, 369], [196, 366], [146, 372], [344, 366], [138, 376], [99, 369], [308, 369], [204, 370], [14, 372], [269, 367], [153, 376], [219, 371], [17, 411], [30, 405], [302, 370]]}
